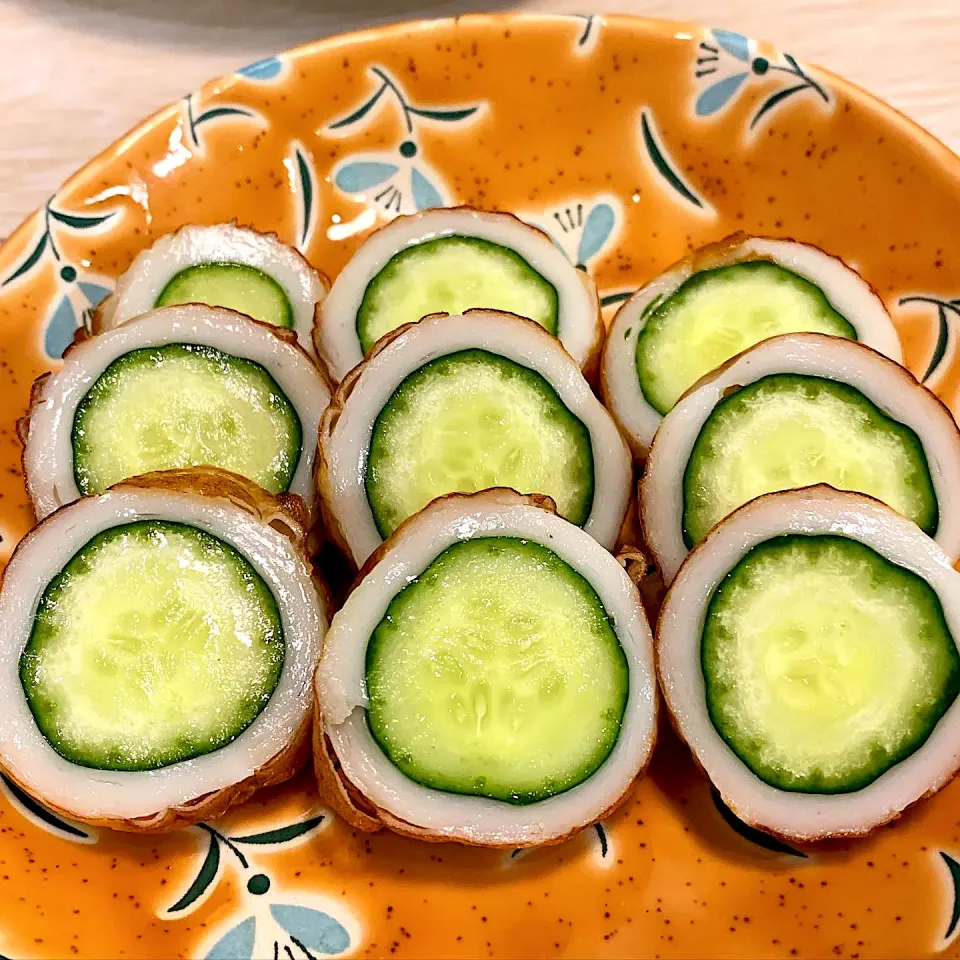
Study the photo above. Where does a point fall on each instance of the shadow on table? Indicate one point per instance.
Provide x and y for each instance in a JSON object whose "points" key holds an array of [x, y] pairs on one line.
{"points": [[269, 25]]}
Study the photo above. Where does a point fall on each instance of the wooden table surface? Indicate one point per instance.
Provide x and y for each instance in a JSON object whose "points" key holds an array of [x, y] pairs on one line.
{"points": [[76, 74]]}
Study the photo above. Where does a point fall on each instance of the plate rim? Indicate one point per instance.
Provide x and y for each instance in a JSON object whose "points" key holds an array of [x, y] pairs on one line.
{"points": [[940, 154]]}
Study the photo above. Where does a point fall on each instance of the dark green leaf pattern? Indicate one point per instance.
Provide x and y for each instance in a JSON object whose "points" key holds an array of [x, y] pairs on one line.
{"points": [[662, 164], [408, 109], [259, 883], [587, 29], [80, 222], [721, 91], [811, 83], [602, 837], [361, 111], [944, 308], [76, 221], [306, 192], [447, 115], [31, 260], [776, 98], [940, 349], [758, 837], [206, 876], [299, 944], [42, 813], [215, 112], [611, 298], [281, 834], [954, 869]]}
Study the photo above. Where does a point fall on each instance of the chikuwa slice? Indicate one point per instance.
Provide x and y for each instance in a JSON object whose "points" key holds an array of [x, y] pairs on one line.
{"points": [[489, 680], [158, 645], [460, 404], [807, 651], [223, 265], [717, 302], [449, 261], [794, 411], [177, 387]]}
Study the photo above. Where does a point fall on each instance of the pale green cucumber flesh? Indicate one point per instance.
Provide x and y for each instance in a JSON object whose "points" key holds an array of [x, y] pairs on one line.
{"points": [[716, 314], [449, 275], [497, 673], [156, 643], [472, 420], [183, 405], [237, 286], [786, 431], [824, 663]]}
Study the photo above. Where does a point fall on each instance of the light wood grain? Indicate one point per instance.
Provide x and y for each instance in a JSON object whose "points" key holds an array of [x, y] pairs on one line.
{"points": [[76, 74]]}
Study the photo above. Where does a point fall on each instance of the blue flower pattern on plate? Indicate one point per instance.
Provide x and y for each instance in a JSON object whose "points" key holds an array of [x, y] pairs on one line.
{"points": [[725, 51], [269, 68], [727, 65], [582, 229], [363, 174], [301, 928], [237, 943], [311, 928], [408, 182], [75, 305]]}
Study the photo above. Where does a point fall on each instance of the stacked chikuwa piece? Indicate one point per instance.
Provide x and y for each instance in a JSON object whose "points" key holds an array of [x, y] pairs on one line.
{"points": [[491, 678], [797, 498]]}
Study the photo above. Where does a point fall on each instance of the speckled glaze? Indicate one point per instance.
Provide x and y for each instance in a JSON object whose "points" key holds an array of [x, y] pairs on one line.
{"points": [[630, 142]]}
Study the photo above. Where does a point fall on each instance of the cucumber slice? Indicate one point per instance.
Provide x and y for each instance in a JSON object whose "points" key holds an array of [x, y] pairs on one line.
{"points": [[157, 642], [716, 314], [496, 673], [450, 275], [237, 286], [786, 431], [824, 663], [472, 420], [183, 405]]}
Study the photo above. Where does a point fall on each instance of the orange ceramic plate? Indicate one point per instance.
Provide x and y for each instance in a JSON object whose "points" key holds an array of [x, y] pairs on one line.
{"points": [[630, 142]]}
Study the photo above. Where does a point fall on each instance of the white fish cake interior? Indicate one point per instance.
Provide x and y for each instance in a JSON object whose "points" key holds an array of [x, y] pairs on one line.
{"points": [[158, 645], [220, 265], [807, 651], [181, 386], [451, 260], [489, 679], [463, 403], [795, 411], [719, 301]]}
